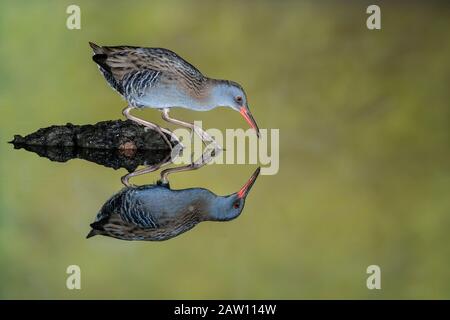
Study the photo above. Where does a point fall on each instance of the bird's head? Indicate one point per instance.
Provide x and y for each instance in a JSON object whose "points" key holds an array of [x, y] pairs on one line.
{"points": [[231, 94], [229, 207]]}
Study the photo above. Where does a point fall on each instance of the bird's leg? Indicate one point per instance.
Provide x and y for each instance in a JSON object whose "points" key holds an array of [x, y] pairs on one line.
{"points": [[199, 131], [125, 179], [161, 131]]}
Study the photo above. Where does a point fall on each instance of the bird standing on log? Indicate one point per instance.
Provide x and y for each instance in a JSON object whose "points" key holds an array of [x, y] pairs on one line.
{"points": [[159, 78]]}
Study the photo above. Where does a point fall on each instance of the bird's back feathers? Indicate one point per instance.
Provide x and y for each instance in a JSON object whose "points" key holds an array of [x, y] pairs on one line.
{"points": [[119, 61]]}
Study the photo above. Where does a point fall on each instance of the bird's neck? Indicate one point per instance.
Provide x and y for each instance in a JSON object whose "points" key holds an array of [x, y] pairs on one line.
{"points": [[211, 94], [218, 95]]}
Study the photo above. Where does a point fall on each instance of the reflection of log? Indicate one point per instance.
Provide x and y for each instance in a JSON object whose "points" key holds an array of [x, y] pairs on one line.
{"points": [[116, 144]]}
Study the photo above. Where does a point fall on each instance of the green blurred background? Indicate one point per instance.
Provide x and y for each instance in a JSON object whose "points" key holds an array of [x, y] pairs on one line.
{"points": [[364, 128]]}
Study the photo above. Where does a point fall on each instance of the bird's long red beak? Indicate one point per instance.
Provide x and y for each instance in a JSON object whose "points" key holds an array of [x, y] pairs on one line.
{"points": [[249, 118], [248, 185]]}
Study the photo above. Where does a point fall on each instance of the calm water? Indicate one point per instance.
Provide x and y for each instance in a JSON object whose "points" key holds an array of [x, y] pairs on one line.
{"points": [[364, 134]]}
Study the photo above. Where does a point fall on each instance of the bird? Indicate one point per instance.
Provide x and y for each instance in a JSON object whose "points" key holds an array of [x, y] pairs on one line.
{"points": [[155, 212], [159, 78]]}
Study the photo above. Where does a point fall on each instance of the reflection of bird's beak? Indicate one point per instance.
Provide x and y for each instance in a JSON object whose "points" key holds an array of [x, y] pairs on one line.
{"points": [[248, 185], [249, 118]]}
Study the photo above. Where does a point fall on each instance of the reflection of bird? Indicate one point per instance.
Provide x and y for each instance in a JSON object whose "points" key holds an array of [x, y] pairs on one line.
{"points": [[155, 212], [159, 78]]}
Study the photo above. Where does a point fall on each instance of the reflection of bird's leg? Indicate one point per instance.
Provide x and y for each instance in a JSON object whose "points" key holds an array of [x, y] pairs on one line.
{"points": [[161, 131], [125, 179], [205, 158], [165, 173], [199, 131]]}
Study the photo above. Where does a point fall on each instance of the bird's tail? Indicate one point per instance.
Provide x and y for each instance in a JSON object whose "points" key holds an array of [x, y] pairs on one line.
{"points": [[92, 233], [97, 228], [97, 49], [100, 56]]}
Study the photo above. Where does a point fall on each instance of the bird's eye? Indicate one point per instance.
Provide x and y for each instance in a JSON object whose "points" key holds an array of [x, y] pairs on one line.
{"points": [[239, 99], [236, 205]]}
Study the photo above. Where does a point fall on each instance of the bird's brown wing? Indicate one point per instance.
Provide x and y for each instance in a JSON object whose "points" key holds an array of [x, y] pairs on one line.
{"points": [[122, 60]]}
